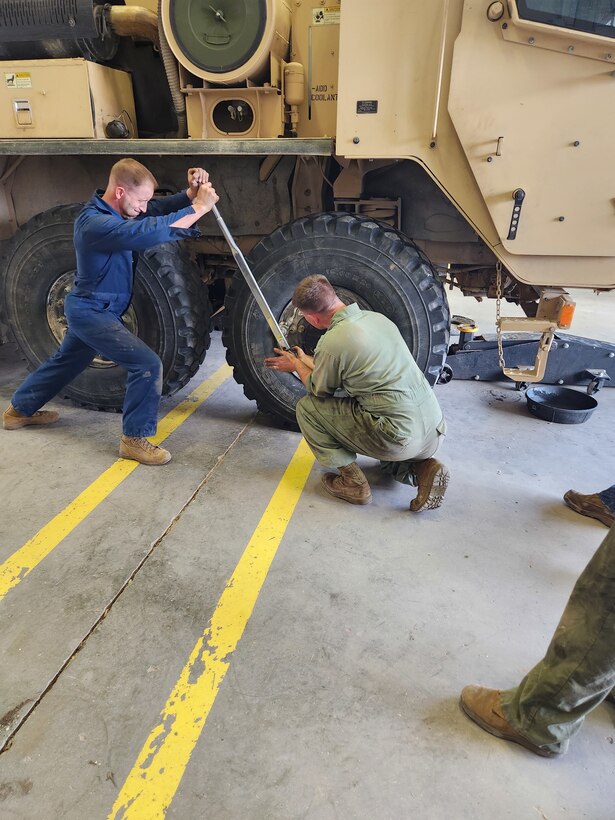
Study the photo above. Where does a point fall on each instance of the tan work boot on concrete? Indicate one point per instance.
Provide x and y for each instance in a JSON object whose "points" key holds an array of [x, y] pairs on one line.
{"points": [[141, 450], [432, 479], [483, 707], [350, 485], [591, 505], [12, 419]]}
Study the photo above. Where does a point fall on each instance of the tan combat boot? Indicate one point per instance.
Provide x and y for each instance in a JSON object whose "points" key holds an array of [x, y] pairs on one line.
{"points": [[351, 485], [591, 505], [142, 450], [432, 479], [12, 419], [483, 706]]}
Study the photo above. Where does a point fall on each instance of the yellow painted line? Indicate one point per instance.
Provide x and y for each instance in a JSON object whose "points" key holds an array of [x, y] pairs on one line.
{"points": [[151, 784], [22, 562]]}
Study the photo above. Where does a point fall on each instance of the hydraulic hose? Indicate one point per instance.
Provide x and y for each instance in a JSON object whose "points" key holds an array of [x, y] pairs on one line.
{"points": [[170, 66]]}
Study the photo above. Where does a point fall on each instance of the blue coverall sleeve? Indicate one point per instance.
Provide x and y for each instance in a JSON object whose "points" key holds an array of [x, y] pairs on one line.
{"points": [[161, 206], [107, 233]]}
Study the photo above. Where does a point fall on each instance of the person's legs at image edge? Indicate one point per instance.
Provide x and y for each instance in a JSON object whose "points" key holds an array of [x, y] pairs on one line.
{"points": [[577, 673]]}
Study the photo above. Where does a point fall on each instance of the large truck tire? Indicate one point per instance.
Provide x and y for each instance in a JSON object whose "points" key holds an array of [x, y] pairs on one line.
{"points": [[170, 308], [366, 262]]}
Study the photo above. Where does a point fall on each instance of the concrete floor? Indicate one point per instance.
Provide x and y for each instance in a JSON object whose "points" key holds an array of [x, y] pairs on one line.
{"points": [[341, 699]]}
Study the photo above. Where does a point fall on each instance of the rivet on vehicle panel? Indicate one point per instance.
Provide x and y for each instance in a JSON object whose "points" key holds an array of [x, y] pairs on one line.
{"points": [[576, 143], [489, 159], [477, 378], [566, 345], [609, 56], [611, 356], [532, 40], [560, 381], [561, 218], [570, 49], [504, 25], [356, 140]]}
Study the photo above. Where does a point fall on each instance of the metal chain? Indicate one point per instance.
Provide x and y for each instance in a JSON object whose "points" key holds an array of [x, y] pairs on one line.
{"points": [[498, 303]]}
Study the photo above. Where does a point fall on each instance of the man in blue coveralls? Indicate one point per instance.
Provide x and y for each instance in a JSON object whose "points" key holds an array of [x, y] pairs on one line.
{"points": [[113, 225]]}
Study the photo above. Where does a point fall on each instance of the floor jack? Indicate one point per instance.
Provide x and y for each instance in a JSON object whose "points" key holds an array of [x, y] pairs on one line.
{"points": [[573, 360]]}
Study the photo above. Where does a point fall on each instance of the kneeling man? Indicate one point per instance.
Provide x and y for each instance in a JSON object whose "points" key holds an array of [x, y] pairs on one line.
{"points": [[389, 412]]}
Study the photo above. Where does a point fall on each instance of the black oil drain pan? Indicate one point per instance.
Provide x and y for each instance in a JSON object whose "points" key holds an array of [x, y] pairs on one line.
{"points": [[560, 404]]}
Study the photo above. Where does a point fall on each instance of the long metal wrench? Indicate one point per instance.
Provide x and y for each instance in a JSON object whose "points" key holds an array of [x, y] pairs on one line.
{"points": [[252, 283]]}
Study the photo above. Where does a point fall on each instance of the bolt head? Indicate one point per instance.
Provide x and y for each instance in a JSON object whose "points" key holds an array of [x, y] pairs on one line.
{"points": [[356, 140]]}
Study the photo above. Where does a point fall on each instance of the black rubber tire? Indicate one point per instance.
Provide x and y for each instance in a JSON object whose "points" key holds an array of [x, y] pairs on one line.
{"points": [[382, 267], [170, 304]]}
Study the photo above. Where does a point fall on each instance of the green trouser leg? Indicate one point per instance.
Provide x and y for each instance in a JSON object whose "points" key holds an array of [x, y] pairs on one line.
{"points": [[402, 471], [336, 429], [578, 671]]}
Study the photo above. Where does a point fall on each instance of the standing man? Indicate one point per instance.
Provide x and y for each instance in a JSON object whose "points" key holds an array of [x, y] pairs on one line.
{"points": [[114, 225], [390, 412]]}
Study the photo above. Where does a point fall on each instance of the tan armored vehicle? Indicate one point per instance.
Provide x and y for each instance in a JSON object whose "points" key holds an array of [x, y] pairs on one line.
{"points": [[397, 147]]}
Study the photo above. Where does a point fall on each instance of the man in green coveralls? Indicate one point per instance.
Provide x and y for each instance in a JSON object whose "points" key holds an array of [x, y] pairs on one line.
{"points": [[390, 412]]}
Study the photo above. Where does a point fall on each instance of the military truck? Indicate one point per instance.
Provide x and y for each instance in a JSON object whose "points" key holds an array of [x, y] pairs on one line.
{"points": [[398, 147]]}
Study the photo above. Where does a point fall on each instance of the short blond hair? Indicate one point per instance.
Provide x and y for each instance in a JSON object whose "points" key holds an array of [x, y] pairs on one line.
{"points": [[314, 294], [131, 174]]}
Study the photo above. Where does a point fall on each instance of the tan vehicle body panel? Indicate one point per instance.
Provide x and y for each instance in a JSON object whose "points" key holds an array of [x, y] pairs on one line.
{"points": [[538, 100], [69, 98], [438, 83]]}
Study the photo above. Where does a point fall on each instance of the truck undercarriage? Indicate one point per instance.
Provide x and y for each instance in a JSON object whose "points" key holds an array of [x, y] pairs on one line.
{"points": [[322, 165]]}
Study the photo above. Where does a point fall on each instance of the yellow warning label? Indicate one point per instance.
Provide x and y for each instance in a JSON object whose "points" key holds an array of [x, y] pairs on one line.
{"points": [[19, 79], [327, 16]]}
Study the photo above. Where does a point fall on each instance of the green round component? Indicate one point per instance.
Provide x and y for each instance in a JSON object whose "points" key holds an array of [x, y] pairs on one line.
{"points": [[220, 36]]}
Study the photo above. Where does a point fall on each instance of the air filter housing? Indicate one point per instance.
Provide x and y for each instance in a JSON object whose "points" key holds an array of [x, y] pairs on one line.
{"points": [[227, 42]]}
